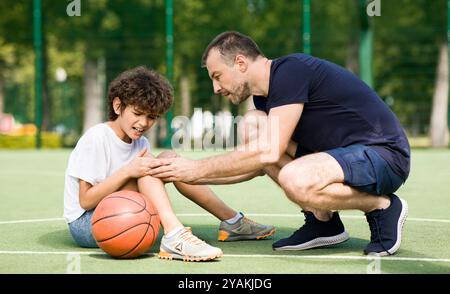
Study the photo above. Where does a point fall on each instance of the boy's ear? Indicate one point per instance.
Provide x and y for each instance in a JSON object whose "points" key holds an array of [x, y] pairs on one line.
{"points": [[116, 105]]}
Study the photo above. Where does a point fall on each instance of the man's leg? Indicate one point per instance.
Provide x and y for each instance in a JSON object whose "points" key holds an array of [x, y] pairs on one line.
{"points": [[248, 131], [317, 180], [322, 227], [328, 180], [234, 226]]}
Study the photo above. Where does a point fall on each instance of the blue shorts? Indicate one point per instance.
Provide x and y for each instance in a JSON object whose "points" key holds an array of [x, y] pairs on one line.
{"points": [[365, 170], [81, 230]]}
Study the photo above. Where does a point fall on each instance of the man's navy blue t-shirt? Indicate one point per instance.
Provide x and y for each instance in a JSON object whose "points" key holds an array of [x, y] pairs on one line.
{"points": [[339, 109]]}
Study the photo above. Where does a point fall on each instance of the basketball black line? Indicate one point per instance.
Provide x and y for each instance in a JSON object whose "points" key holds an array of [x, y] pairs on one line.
{"points": [[118, 214], [139, 243], [143, 206], [123, 232]]}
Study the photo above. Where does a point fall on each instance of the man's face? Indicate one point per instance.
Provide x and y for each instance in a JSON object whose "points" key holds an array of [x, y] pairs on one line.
{"points": [[228, 80]]}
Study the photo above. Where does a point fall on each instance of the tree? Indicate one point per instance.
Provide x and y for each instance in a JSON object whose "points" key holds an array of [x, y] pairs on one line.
{"points": [[439, 125]]}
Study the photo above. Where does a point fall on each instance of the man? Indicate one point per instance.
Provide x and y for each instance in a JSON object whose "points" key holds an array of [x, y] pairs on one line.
{"points": [[328, 140]]}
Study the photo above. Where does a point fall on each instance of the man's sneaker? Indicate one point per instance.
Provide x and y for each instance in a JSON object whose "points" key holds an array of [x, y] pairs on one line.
{"points": [[244, 229], [314, 233], [386, 227], [187, 247]]}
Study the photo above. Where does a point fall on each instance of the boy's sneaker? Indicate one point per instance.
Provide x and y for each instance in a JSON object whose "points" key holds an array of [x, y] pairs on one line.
{"points": [[187, 247], [244, 229], [386, 227], [314, 233]]}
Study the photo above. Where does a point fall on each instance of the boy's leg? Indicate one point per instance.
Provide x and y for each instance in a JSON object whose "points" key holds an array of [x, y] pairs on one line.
{"points": [[178, 242], [81, 230], [154, 189], [204, 197]]}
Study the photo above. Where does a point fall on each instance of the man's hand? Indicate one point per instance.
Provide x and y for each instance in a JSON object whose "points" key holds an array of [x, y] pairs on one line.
{"points": [[176, 169], [141, 165]]}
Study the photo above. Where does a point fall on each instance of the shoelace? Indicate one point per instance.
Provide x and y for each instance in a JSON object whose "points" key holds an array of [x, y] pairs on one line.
{"points": [[249, 221], [190, 238], [375, 231], [307, 220]]}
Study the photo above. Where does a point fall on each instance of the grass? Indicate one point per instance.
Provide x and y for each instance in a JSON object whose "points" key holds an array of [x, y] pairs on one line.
{"points": [[31, 187]]}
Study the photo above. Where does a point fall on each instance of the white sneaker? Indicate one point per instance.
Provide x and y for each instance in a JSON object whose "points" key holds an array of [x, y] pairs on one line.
{"points": [[187, 247]]}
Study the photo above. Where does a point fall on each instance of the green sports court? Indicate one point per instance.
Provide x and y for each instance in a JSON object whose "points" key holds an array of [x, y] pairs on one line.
{"points": [[57, 59], [35, 238]]}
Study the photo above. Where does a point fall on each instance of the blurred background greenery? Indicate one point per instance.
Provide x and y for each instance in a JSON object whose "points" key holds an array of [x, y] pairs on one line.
{"points": [[82, 54]]}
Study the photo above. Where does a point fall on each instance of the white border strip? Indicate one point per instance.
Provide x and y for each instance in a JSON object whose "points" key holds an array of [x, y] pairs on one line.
{"points": [[299, 216], [339, 257]]}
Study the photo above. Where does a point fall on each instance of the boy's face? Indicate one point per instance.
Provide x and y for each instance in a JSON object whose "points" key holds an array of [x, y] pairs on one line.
{"points": [[133, 123]]}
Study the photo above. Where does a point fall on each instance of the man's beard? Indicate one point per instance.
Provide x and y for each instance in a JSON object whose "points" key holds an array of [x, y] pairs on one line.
{"points": [[241, 93]]}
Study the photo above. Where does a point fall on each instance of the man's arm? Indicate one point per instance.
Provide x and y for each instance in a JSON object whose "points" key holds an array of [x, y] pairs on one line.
{"points": [[253, 156], [230, 180], [272, 143]]}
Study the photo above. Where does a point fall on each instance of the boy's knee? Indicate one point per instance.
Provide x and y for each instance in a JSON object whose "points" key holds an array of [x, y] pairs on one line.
{"points": [[168, 154], [131, 185]]}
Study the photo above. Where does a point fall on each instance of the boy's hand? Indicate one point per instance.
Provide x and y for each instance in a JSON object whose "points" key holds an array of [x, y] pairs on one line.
{"points": [[141, 165]]}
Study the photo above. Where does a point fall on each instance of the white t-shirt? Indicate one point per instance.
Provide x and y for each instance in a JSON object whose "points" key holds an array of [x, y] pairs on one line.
{"points": [[98, 154]]}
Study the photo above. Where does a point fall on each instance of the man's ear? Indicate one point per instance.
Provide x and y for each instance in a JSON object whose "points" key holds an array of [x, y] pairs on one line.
{"points": [[242, 62], [116, 105]]}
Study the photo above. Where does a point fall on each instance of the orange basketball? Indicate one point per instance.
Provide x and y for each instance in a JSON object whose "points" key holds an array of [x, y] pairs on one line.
{"points": [[124, 224]]}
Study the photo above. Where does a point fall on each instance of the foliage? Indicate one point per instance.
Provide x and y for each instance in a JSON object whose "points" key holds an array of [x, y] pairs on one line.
{"points": [[49, 140], [126, 33]]}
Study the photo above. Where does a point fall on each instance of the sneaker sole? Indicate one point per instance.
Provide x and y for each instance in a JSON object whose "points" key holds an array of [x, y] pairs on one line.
{"points": [[225, 237], [400, 223], [172, 256], [318, 242]]}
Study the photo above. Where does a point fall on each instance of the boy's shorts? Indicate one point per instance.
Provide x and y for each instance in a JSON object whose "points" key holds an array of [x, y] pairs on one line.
{"points": [[365, 170], [81, 230]]}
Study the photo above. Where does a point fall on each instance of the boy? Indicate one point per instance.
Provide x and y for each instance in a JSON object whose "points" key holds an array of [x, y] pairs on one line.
{"points": [[113, 156]]}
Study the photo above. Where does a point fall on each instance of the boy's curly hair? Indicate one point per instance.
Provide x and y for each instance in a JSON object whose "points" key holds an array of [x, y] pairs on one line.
{"points": [[142, 88]]}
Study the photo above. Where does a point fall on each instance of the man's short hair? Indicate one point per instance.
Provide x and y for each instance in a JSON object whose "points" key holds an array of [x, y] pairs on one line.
{"points": [[142, 88], [230, 44]]}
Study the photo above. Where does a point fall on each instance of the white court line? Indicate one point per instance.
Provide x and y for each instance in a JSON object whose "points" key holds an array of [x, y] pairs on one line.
{"points": [[299, 216], [39, 220], [338, 257]]}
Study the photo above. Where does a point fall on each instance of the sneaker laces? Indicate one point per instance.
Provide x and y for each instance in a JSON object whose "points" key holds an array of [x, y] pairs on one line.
{"points": [[307, 215], [249, 221], [307, 220], [187, 236], [375, 232]]}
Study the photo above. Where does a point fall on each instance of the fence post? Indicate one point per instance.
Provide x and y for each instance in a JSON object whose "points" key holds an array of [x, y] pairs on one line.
{"points": [[37, 38]]}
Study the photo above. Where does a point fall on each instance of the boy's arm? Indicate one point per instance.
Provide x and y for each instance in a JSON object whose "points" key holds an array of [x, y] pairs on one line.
{"points": [[91, 195]]}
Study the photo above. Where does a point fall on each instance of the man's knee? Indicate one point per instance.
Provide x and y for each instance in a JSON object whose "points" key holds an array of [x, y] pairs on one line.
{"points": [[250, 125], [298, 183]]}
